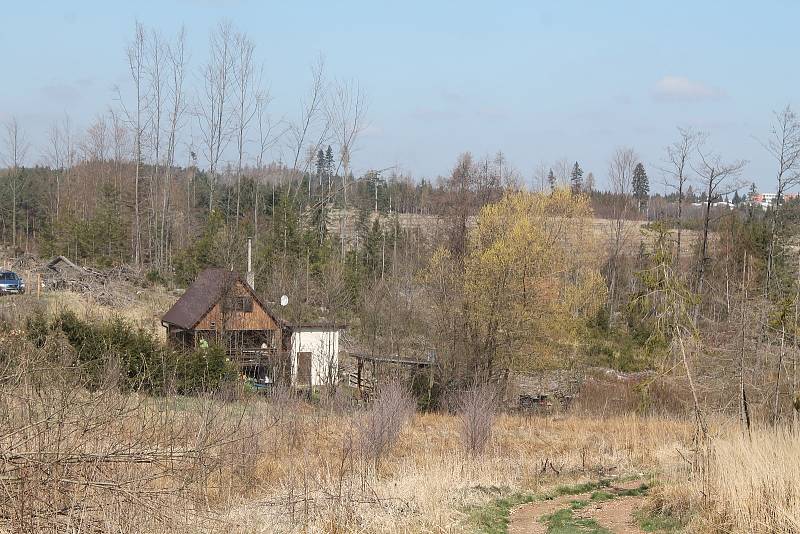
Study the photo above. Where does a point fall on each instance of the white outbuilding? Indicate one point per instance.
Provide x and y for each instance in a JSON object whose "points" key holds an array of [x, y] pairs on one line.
{"points": [[315, 355]]}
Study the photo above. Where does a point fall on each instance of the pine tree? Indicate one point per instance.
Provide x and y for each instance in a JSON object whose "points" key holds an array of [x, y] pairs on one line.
{"points": [[641, 186], [736, 198], [551, 179], [576, 177]]}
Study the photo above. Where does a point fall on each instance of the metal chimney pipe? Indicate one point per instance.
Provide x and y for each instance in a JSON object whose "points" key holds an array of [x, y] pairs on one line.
{"points": [[251, 279]]}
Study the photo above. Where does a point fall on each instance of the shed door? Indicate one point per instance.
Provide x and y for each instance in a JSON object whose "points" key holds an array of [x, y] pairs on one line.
{"points": [[303, 368]]}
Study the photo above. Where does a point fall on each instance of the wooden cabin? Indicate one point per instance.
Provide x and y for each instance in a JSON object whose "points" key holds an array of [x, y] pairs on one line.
{"points": [[220, 307]]}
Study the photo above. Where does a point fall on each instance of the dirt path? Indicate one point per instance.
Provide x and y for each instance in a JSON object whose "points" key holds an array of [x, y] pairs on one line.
{"points": [[614, 514]]}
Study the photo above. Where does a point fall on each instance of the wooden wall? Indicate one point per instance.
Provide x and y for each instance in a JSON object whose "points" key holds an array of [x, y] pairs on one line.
{"points": [[258, 319]]}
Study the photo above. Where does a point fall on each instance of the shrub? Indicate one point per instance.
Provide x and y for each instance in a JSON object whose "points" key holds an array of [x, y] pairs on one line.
{"points": [[476, 408], [133, 356], [381, 427], [203, 370]]}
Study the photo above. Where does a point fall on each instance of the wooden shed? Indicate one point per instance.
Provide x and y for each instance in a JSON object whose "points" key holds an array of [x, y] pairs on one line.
{"points": [[220, 307]]}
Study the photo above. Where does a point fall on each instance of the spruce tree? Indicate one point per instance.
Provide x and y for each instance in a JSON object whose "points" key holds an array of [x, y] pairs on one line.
{"points": [[551, 179], [329, 161], [641, 186], [320, 165], [576, 177]]}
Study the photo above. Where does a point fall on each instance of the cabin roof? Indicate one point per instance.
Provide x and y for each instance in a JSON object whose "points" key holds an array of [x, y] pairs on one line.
{"points": [[209, 287]]}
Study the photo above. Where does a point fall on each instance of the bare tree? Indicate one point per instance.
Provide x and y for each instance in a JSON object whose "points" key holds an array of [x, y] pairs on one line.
{"points": [[213, 112], [312, 121], [269, 133], [136, 63], [95, 145], [177, 60], [715, 176], [540, 178], [56, 157], [156, 66], [120, 145], [677, 172], [346, 115], [588, 183], [783, 145], [562, 169], [620, 174], [245, 80], [16, 148]]}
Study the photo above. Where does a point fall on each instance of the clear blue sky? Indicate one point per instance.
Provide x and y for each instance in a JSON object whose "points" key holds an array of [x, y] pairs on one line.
{"points": [[539, 80]]}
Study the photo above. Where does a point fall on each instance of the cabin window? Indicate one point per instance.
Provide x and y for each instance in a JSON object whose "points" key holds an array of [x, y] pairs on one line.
{"points": [[238, 304]]}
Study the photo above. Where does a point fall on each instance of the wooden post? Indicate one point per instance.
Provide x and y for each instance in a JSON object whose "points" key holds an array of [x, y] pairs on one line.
{"points": [[358, 371]]}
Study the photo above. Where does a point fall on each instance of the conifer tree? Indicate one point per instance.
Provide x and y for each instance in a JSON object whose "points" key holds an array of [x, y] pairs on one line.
{"points": [[753, 192], [320, 165], [641, 186], [551, 179], [576, 177]]}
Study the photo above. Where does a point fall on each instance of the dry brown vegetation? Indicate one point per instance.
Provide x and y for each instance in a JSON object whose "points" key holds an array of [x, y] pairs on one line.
{"points": [[102, 461], [76, 460]]}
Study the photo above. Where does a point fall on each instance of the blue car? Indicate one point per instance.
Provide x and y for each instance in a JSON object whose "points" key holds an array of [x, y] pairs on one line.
{"points": [[11, 283]]}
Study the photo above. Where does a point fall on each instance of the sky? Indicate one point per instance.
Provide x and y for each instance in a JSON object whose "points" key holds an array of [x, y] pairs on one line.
{"points": [[541, 81]]}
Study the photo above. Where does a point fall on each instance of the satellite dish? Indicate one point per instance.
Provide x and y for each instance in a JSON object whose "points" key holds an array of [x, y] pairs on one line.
{"points": [[284, 300]]}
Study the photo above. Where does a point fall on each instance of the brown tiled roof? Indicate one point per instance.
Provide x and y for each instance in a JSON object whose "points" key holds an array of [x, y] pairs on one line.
{"points": [[200, 297]]}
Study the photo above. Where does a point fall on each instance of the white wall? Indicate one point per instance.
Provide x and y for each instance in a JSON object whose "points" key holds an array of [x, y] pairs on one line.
{"points": [[323, 344]]}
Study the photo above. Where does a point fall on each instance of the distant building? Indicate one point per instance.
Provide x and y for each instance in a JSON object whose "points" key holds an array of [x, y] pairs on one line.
{"points": [[767, 200]]}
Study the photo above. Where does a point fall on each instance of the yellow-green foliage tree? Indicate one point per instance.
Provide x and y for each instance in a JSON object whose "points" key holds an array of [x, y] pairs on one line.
{"points": [[531, 280]]}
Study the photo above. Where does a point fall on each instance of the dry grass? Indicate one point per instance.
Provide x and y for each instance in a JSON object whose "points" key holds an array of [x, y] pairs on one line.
{"points": [[281, 465], [426, 482], [142, 307], [747, 484], [76, 461]]}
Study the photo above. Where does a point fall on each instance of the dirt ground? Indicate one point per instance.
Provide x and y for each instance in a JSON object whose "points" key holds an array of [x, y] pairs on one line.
{"points": [[614, 514]]}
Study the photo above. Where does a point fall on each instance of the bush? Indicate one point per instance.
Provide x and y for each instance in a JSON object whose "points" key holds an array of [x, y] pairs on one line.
{"points": [[382, 425], [132, 356], [154, 277], [476, 408]]}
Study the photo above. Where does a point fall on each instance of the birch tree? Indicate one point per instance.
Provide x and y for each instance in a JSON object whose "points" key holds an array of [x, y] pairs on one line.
{"points": [[16, 148], [213, 113], [177, 61], [155, 70], [347, 115], [136, 64], [245, 81]]}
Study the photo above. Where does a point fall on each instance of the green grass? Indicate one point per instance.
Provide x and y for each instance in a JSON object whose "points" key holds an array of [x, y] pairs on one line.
{"points": [[657, 522], [565, 522], [492, 518]]}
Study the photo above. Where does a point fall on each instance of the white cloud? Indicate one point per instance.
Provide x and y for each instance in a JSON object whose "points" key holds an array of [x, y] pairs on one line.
{"points": [[682, 88]]}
